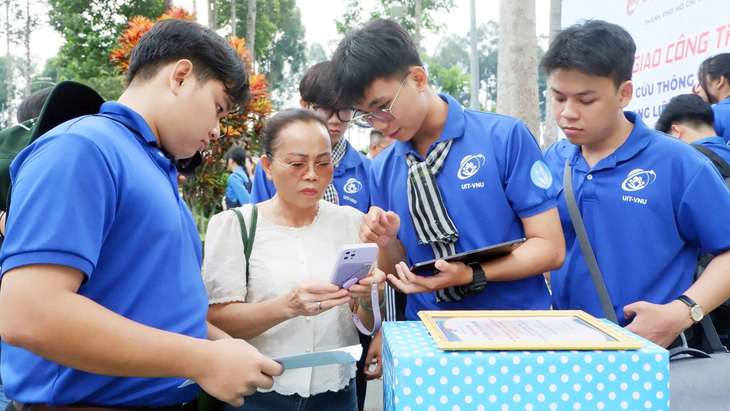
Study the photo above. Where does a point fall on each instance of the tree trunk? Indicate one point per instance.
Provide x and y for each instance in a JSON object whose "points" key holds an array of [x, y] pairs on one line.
{"points": [[27, 49], [551, 128], [8, 68], [251, 30], [166, 5], [212, 17], [417, 36], [474, 57], [234, 21], [517, 63]]}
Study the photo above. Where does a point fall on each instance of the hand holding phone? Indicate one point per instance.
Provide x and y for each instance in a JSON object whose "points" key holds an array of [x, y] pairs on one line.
{"points": [[353, 264]]}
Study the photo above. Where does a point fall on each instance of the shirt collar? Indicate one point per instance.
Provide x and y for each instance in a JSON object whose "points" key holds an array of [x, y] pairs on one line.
{"points": [[713, 140], [726, 101], [453, 128], [131, 118], [634, 144]]}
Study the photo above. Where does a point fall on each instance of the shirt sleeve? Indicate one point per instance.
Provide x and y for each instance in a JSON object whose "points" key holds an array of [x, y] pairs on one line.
{"points": [[236, 183], [63, 204], [224, 265]]}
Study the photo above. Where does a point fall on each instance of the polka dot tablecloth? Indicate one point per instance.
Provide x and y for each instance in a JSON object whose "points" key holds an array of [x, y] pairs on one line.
{"points": [[419, 376]]}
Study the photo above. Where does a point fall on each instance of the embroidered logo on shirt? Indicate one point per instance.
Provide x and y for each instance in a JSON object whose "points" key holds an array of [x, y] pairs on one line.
{"points": [[540, 175], [638, 179], [352, 186], [470, 165]]}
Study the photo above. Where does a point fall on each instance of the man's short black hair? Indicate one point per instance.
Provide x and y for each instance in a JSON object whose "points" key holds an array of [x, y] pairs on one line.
{"points": [[32, 105], [688, 109], [595, 48], [715, 67], [316, 86], [380, 49], [237, 154], [212, 56]]}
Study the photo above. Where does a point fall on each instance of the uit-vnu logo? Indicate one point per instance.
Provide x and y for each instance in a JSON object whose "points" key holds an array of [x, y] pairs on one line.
{"points": [[352, 186], [470, 165], [638, 179], [540, 175]]}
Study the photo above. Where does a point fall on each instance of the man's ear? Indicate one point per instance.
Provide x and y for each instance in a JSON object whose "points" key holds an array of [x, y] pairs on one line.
{"points": [[626, 91], [676, 131], [303, 103], [420, 77], [180, 72]]}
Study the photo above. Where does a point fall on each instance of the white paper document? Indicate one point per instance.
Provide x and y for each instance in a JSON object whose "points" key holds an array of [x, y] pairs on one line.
{"points": [[313, 359]]}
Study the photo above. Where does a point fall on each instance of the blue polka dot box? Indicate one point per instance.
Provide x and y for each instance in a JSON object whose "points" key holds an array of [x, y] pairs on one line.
{"points": [[419, 376]]}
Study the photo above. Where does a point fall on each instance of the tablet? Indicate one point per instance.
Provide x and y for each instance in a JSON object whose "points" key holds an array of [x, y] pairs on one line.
{"points": [[479, 255]]}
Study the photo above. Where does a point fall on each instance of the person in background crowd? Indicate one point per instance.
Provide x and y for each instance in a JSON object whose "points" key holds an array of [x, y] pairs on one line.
{"points": [[455, 180], [713, 85], [378, 143], [238, 189], [31, 107], [285, 306], [637, 189], [83, 324]]}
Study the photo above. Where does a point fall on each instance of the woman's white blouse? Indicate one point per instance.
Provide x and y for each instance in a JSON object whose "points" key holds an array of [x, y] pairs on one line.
{"points": [[281, 258]]}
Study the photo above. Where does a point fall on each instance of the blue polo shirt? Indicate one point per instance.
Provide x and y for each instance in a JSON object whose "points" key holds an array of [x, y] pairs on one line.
{"points": [[493, 176], [93, 195], [717, 145], [235, 189], [722, 119], [350, 180], [650, 208]]}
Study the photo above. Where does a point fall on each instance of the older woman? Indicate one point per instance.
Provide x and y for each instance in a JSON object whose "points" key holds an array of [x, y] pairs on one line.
{"points": [[287, 306]]}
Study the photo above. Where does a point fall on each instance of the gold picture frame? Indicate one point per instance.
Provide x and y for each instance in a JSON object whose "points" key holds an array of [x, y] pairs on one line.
{"points": [[523, 331]]}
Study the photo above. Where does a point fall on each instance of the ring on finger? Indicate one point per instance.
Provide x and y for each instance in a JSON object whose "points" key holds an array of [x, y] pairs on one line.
{"points": [[319, 305]]}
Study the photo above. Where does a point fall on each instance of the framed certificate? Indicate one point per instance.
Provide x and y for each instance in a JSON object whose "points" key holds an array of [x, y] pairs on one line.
{"points": [[523, 330]]}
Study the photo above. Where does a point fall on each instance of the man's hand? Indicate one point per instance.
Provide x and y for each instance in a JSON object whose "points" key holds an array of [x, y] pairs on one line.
{"points": [[379, 227], [235, 369], [658, 323], [374, 356], [449, 275]]}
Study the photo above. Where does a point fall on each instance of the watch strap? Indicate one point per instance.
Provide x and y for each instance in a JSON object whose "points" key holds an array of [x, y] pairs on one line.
{"points": [[688, 301], [479, 277]]}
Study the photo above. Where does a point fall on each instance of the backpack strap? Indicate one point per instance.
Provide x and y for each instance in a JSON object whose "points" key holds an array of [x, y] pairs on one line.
{"points": [[247, 237], [722, 166]]}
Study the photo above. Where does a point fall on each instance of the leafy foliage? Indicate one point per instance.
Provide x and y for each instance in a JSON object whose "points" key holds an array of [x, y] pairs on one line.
{"points": [[204, 194], [353, 16], [280, 49], [90, 28]]}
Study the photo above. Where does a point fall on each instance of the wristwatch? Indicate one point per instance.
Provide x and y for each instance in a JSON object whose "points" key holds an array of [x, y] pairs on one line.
{"points": [[695, 310], [479, 281]]}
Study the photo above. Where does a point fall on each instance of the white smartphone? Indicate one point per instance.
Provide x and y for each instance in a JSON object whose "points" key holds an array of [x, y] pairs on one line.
{"points": [[353, 264]]}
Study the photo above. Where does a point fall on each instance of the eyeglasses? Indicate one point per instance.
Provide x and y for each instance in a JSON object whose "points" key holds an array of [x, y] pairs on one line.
{"points": [[300, 168], [385, 115], [223, 123], [343, 114]]}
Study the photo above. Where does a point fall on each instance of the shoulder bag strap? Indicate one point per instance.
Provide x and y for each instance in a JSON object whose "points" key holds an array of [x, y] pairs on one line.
{"points": [[585, 244], [247, 236], [722, 166]]}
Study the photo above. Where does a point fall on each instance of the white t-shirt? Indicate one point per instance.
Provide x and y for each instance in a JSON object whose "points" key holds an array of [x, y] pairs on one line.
{"points": [[281, 258]]}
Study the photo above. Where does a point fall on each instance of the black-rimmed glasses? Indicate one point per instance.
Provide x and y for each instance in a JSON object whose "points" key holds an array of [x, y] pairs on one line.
{"points": [[223, 123], [384, 115], [343, 114]]}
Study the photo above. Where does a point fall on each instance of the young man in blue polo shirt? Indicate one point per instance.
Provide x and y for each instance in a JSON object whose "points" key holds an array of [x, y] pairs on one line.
{"points": [[649, 201], [102, 303], [689, 118], [349, 183], [489, 177]]}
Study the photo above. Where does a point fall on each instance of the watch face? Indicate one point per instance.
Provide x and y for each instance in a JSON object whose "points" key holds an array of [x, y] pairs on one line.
{"points": [[696, 313]]}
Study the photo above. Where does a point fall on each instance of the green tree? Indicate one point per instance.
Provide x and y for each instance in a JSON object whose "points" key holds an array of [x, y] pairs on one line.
{"points": [[315, 54], [353, 17], [15, 63], [280, 49], [90, 28]]}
